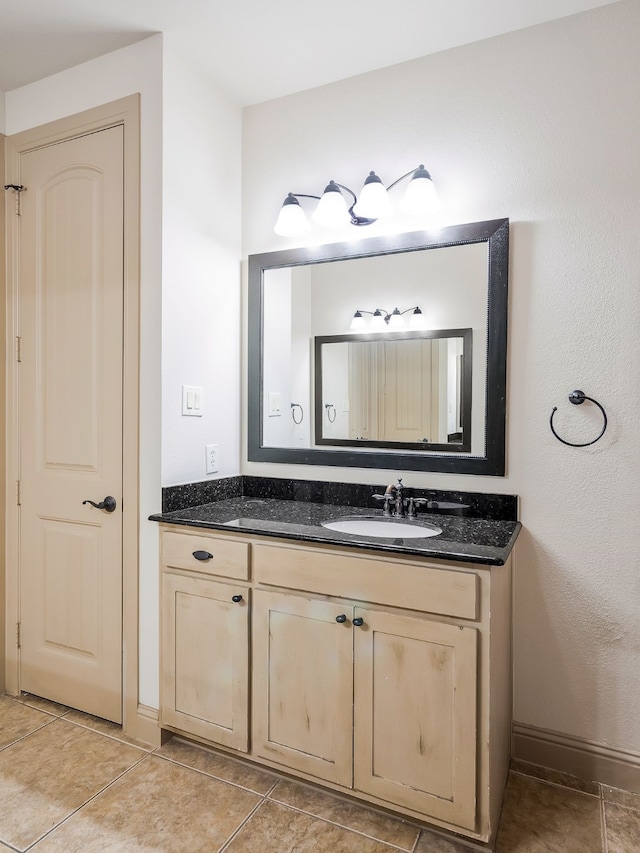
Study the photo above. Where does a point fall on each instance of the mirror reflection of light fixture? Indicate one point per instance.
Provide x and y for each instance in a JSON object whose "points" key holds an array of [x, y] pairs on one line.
{"points": [[420, 199], [383, 320]]}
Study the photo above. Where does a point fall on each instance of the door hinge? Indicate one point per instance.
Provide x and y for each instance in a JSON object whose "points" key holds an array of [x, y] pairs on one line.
{"points": [[18, 348], [18, 493], [18, 634], [17, 188]]}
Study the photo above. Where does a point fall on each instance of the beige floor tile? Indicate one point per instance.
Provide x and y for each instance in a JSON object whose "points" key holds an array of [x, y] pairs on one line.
{"points": [[16, 720], [47, 775], [542, 818], [276, 829], [623, 829], [54, 708], [430, 842], [157, 806], [349, 815], [621, 798], [556, 777], [105, 727], [218, 765]]}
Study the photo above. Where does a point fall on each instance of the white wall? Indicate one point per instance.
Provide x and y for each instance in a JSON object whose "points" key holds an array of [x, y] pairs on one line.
{"points": [[133, 69], [541, 126], [201, 272], [2, 113]]}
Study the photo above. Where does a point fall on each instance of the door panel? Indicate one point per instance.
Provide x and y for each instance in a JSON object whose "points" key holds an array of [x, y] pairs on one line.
{"points": [[424, 674], [205, 654], [302, 708], [70, 385]]}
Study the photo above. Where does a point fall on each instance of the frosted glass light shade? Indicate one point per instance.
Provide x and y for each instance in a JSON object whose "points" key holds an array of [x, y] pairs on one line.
{"points": [[377, 321], [420, 198], [332, 208], [291, 219], [396, 320], [417, 320], [358, 321], [374, 200]]}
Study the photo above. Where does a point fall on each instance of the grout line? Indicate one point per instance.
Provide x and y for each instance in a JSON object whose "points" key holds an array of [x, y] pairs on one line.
{"points": [[28, 734], [212, 776], [555, 784], [603, 823], [226, 844], [348, 828], [91, 798], [131, 743]]}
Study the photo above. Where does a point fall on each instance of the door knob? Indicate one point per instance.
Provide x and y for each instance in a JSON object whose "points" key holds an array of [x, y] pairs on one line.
{"points": [[108, 504]]}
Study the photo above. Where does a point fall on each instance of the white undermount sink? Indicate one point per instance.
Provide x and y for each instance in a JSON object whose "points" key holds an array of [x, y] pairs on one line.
{"points": [[382, 528]]}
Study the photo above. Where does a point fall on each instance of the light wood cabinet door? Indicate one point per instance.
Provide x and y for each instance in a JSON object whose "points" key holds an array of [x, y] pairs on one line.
{"points": [[205, 659], [415, 714], [303, 684]]}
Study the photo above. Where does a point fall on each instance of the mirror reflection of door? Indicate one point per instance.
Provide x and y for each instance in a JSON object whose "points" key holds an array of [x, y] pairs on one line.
{"points": [[394, 391]]}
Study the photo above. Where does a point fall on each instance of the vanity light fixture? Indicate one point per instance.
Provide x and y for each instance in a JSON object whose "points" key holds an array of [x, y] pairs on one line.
{"points": [[383, 320], [420, 199]]}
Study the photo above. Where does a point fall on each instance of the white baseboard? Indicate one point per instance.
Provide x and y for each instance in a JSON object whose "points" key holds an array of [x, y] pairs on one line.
{"points": [[597, 762], [146, 727]]}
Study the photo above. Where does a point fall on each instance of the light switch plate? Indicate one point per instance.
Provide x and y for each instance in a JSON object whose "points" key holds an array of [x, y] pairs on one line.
{"points": [[274, 399], [192, 401]]}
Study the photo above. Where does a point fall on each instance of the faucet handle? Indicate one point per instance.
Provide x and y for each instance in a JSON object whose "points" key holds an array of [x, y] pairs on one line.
{"points": [[387, 498], [412, 503]]}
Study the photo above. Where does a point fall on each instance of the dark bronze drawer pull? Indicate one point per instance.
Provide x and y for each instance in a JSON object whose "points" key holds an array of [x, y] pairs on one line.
{"points": [[202, 555]]}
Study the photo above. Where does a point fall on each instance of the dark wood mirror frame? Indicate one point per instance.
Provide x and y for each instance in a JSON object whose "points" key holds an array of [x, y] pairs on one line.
{"points": [[495, 233], [462, 446]]}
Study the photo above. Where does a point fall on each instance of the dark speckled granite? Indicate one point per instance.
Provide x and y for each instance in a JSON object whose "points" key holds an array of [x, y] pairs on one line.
{"points": [[468, 504], [204, 492], [466, 539]]}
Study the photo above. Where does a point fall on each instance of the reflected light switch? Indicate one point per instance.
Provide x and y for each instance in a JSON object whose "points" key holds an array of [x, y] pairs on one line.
{"points": [[274, 404]]}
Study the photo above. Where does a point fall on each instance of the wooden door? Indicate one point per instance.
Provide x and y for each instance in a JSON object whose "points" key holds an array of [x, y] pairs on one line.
{"points": [[70, 389], [205, 659], [364, 373], [303, 684], [415, 714], [406, 391]]}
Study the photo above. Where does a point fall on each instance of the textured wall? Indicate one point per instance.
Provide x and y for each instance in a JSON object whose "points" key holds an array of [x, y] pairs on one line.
{"points": [[541, 126]]}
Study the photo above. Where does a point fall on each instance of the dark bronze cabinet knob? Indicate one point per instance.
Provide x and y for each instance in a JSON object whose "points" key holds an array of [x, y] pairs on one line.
{"points": [[236, 598], [358, 621], [341, 618]]}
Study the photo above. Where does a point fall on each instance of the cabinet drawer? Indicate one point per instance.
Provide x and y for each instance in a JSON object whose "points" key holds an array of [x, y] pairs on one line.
{"points": [[413, 586], [228, 559]]}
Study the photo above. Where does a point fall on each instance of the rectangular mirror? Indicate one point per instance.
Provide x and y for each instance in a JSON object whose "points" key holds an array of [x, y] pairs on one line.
{"points": [[404, 390], [301, 304]]}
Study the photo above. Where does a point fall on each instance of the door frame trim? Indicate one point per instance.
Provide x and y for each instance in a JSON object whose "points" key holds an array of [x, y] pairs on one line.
{"points": [[126, 113]]}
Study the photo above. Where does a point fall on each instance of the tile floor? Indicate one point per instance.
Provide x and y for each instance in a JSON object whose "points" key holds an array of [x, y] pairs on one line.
{"points": [[71, 783]]}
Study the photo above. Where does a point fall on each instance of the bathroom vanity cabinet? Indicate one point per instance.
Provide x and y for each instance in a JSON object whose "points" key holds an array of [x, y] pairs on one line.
{"points": [[386, 677]]}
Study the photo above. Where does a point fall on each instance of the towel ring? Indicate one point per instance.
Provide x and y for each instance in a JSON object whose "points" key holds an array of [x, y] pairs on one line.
{"points": [[295, 406], [331, 412], [577, 398]]}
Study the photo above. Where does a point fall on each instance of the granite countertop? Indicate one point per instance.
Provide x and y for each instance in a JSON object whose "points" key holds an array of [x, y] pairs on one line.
{"points": [[472, 540]]}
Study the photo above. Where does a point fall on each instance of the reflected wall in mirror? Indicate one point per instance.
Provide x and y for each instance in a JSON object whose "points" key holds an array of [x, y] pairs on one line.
{"points": [[459, 280], [407, 390]]}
